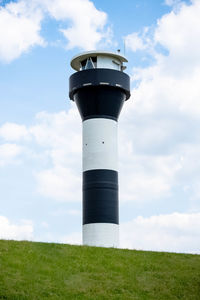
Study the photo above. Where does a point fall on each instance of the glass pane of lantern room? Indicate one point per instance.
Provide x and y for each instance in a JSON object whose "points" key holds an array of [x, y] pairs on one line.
{"points": [[89, 64]]}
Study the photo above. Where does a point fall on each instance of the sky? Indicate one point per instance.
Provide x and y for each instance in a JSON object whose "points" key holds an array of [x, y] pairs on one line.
{"points": [[40, 128]]}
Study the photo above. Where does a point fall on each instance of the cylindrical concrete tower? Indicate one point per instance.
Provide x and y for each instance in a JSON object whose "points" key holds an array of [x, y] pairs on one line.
{"points": [[99, 88]]}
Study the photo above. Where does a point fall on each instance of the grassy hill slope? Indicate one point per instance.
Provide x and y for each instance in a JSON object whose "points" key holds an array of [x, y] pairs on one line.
{"points": [[53, 271]]}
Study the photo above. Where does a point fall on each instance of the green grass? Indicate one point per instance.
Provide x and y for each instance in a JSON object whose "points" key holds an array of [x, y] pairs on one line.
{"points": [[54, 271]]}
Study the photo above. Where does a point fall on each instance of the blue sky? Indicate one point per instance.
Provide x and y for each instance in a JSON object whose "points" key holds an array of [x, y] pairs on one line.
{"points": [[40, 129]]}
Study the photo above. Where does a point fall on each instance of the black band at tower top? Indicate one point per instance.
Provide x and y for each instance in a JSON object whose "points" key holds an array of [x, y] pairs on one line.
{"points": [[96, 77], [99, 92]]}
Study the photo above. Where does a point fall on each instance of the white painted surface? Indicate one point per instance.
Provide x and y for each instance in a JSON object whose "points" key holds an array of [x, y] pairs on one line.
{"points": [[100, 144], [101, 235], [108, 62]]}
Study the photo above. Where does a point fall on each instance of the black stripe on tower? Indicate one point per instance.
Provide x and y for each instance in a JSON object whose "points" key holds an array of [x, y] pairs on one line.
{"points": [[100, 197], [99, 92]]}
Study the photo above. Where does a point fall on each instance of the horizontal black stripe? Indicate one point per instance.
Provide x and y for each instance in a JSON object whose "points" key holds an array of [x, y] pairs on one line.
{"points": [[100, 197], [97, 77]]}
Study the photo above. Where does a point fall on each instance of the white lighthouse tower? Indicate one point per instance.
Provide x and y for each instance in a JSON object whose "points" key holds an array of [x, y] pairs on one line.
{"points": [[100, 88]]}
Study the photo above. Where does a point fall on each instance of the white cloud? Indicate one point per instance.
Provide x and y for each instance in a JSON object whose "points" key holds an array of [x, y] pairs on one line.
{"points": [[178, 31], [176, 232], [147, 177], [74, 212], [10, 231], [45, 224], [9, 153], [23, 20], [60, 184], [73, 238], [20, 24], [87, 23], [159, 135], [141, 41], [64, 212], [134, 42], [59, 139], [58, 130], [173, 3], [61, 134], [13, 132]]}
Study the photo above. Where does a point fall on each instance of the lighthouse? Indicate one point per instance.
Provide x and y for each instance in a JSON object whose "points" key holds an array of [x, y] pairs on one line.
{"points": [[99, 87]]}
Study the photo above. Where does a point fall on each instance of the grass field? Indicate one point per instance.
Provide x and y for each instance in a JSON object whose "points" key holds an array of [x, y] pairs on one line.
{"points": [[31, 270]]}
